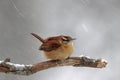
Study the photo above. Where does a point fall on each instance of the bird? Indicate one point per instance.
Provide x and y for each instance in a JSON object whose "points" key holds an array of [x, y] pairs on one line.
{"points": [[56, 47]]}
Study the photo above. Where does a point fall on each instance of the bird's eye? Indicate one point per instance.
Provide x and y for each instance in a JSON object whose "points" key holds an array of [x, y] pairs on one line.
{"points": [[65, 40]]}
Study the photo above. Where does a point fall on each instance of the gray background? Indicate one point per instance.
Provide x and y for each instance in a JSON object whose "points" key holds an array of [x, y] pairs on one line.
{"points": [[95, 24]]}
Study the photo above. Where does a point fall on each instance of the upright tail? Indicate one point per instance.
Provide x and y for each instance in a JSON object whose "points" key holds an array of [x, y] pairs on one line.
{"points": [[38, 37]]}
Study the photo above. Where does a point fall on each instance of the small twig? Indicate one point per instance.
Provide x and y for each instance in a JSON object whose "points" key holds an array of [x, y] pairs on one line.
{"points": [[7, 67]]}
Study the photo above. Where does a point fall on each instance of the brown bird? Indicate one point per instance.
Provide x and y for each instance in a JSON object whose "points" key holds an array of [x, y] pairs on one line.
{"points": [[57, 47]]}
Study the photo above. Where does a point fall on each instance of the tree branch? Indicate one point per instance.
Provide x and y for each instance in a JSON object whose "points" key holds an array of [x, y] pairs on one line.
{"points": [[7, 67]]}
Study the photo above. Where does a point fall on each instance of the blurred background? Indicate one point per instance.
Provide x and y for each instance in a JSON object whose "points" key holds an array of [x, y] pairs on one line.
{"points": [[95, 24]]}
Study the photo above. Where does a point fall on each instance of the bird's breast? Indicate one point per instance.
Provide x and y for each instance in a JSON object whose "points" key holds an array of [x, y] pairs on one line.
{"points": [[61, 53]]}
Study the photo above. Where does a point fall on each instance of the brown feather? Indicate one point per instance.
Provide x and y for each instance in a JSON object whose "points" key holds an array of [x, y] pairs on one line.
{"points": [[38, 37], [50, 45]]}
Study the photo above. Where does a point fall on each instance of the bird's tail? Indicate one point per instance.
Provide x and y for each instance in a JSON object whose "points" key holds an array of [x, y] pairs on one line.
{"points": [[38, 37]]}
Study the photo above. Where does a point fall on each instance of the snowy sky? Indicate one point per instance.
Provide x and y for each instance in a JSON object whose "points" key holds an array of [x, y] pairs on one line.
{"points": [[95, 24]]}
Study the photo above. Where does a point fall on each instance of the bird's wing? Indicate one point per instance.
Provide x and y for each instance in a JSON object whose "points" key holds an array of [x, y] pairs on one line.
{"points": [[49, 46]]}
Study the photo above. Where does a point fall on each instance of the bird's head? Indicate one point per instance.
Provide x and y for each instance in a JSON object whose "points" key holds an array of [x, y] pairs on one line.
{"points": [[67, 39]]}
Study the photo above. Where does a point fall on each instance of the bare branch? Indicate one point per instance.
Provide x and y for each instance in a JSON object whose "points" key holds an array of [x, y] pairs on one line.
{"points": [[7, 67]]}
